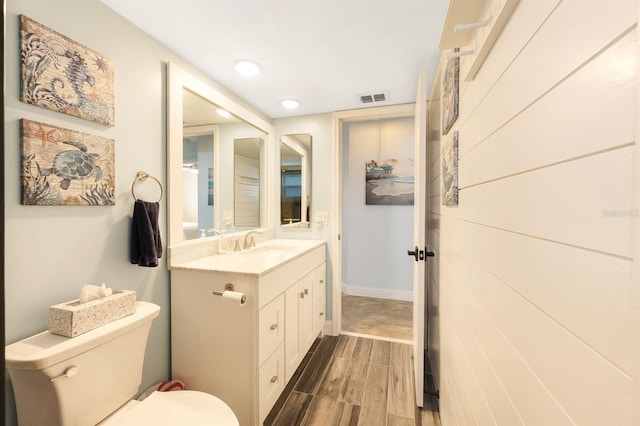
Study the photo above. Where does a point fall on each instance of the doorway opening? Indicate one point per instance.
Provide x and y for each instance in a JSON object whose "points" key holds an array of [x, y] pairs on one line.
{"points": [[373, 293]]}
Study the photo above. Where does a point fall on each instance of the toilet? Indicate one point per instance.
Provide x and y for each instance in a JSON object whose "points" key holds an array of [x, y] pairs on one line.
{"points": [[91, 379]]}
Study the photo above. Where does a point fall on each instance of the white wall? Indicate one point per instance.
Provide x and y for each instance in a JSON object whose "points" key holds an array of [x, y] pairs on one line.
{"points": [[533, 268], [52, 251], [376, 237]]}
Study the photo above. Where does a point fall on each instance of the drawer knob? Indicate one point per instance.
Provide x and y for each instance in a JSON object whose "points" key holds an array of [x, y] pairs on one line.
{"points": [[321, 281], [273, 326], [274, 379], [321, 313], [306, 291], [302, 295]]}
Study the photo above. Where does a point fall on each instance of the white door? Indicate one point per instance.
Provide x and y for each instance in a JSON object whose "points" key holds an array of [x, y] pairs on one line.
{"points": [[419, 236]]}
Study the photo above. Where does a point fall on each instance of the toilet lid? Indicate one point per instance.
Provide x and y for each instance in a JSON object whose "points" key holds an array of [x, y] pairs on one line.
{"points": [[188, 408]]}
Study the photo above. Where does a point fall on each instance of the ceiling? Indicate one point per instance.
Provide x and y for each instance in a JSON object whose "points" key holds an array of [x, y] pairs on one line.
{"points": [[324, 53]]}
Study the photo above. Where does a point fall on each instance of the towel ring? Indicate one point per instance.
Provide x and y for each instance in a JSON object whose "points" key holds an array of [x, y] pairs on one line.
{"points": [[142, 176]]}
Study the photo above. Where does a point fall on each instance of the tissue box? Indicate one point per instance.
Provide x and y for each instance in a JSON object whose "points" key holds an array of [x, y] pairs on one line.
{"points": [[73, 318]]}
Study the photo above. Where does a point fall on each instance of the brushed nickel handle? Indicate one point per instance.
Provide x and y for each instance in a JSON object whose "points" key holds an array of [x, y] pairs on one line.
{"points": [[273, 326], [274, 379]]}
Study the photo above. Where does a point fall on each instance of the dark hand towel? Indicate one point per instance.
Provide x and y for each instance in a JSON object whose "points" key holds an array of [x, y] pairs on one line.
{"points": [[146, 246]]}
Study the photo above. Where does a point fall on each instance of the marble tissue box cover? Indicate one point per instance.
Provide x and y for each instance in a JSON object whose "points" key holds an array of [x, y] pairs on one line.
{"points": [[73, 318]]}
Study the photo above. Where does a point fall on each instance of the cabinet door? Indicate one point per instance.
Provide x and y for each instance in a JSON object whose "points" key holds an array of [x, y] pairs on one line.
{"points": [[298, 322], [319, 299], [293, 357]]}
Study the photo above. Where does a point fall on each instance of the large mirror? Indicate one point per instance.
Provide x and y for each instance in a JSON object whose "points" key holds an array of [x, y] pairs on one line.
{"points": [[295, 180], [208, 133]]}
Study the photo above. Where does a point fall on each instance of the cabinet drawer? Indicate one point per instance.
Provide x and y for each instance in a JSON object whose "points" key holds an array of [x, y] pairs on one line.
{"points": [[270, 328], [271, 382]]}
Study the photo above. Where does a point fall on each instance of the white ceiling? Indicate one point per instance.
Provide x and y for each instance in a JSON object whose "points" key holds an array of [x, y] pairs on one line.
{"points": [[322, 52]]}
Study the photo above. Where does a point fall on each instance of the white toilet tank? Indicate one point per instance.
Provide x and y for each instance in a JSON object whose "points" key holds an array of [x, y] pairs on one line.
{"points": [[79, 381]]}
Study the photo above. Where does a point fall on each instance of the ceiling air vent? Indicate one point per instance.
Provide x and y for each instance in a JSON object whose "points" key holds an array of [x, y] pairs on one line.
{"points": [[377, 97]]}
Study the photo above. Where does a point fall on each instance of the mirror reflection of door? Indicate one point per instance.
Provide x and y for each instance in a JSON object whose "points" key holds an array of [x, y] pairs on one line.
{"points": [[295, 180], [246, 196]]}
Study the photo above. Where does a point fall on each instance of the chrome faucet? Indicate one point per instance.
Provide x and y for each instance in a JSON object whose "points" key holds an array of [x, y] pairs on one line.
{"points": [[249, 240]]}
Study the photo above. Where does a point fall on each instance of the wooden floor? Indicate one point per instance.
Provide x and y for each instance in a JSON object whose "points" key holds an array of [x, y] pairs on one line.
{"points": [[349, 380]]}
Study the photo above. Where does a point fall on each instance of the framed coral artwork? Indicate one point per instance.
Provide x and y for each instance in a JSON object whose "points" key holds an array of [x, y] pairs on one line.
{"points": [[62, 167], [450, 93], [60, 74]]}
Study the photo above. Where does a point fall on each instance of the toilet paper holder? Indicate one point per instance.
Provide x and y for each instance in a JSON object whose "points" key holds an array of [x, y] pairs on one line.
{"points": [[230, 293]]}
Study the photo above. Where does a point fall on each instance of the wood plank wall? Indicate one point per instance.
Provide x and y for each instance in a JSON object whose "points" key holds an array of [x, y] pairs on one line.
{"points": [[530, 290]]}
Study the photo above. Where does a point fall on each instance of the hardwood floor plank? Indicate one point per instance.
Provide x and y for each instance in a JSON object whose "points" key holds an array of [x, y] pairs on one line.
{"points": [[312, 375], [374, 402], [294, 410], [333, 378], [394, 420], [401, 390], [344, 349], [354, 381], [362, 348], [320, 411], [381, 352], [345, 414]]}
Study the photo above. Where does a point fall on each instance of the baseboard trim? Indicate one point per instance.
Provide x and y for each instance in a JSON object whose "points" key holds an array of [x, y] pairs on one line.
{"points": [[380, 293]]}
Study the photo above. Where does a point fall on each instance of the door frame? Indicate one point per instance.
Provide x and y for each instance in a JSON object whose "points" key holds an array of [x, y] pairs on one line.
{"points": [[339, 119]]}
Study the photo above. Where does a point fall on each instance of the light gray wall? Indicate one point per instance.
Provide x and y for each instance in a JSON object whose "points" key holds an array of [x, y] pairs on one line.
{"points": [[51, 252]]}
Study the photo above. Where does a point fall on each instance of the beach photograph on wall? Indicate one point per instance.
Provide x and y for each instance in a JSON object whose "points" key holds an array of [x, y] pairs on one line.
{"points": [[450, 170], [62, 75], [389, 182], [63, 167]]}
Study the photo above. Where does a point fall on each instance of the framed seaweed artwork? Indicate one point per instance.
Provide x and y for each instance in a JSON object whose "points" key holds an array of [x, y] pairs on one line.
{"points": [[450, 170], [59, 74], [450, 93], [62, 167]]}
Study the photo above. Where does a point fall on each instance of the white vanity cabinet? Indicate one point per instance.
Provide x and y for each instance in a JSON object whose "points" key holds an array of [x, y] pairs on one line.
{"points": [[245, 355]]}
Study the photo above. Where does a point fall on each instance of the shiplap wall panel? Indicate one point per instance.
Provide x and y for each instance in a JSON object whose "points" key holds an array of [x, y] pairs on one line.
{"points": [[561, 362], [534, 403], [566, 40], [584, 291], [505, 50], [570, 129], [533, 267], [566, 203], [492, 390]]}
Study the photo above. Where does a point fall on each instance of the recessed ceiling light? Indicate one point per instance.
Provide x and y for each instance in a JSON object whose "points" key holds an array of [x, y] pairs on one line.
{"points": [[290, 103], [247, 68], [223, 113]]}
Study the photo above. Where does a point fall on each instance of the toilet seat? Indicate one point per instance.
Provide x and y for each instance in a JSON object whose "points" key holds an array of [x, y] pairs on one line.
{"points": [[188, 408]]}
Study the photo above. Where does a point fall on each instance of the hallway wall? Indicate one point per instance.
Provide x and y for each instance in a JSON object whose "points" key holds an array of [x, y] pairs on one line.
{"points": [[532, 284]]}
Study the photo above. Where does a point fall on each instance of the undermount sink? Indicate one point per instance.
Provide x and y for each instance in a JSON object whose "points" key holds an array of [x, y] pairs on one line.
{"points": [[258, 260]]}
